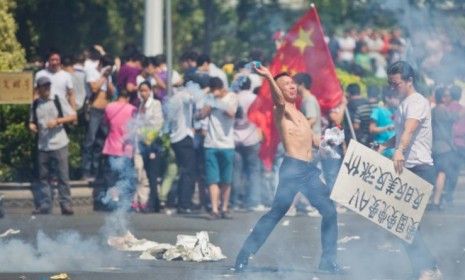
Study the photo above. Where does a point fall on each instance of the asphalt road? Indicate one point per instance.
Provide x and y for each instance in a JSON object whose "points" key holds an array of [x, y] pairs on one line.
{"points": [[291, 252]]}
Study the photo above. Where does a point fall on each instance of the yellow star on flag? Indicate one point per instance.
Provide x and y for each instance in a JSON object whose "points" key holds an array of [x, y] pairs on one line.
{"points": [[304, 40]]}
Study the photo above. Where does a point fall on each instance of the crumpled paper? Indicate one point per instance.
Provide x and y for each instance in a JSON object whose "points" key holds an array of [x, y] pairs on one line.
{"points": [[188, 248], [61, 276], [332, 137], [129, 242], [10, 231]]}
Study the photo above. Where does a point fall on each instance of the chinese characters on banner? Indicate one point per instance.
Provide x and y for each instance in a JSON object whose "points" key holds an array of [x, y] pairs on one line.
{"points": [[368, 185], [16, 88]]}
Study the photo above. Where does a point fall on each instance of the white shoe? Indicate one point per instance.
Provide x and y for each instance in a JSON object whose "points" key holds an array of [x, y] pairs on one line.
{"points": [[260, 208], [313, 213], [292, 212]]}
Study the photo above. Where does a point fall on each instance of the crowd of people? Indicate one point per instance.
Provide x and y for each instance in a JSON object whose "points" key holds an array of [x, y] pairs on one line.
{"points": [[147, 149]]}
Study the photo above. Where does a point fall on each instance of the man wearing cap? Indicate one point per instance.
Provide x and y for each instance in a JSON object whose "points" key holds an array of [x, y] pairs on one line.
{"points": [[47, 116]]}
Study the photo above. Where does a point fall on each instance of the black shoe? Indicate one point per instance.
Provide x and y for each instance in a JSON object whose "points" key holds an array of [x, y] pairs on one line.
{"points": [[331, 267], [214, 216], [67, 211], [41, 211], [242, 261], [225, 215]]}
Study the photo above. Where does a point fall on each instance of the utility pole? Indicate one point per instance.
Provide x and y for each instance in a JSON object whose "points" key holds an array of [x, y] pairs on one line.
{"points": [[169, 46], [153, 27]]}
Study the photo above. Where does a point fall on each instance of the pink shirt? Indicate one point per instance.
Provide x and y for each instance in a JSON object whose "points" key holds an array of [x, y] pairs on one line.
{"points": [[118, 115]]}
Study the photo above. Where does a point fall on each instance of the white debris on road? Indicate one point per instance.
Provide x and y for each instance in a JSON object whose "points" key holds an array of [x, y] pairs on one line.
{"points": [[346, 239], [188, 248], [285, 223], [10, 231]]}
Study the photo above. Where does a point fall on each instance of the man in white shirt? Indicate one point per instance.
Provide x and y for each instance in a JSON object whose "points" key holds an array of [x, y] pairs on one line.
{"points": [[204, 65], [179, 121], [62, 84], [219, 145], [413, 143]]}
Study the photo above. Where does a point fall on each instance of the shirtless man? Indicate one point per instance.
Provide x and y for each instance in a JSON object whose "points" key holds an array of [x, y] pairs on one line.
{"points": [[297, 174]]}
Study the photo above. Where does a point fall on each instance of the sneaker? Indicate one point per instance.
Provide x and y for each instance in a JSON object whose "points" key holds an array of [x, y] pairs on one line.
{"points": [[331, 267], [313, 213], [292, 212], [67, 211], [214, 216], [242, 261], [259, 208], [431, 274], [42, 211]]}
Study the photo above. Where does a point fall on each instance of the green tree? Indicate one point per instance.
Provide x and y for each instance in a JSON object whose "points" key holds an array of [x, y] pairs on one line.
{"points": [[11, 52]]}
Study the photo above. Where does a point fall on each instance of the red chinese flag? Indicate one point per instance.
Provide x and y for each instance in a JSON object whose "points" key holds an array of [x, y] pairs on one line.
{"points": [[304, 50]]}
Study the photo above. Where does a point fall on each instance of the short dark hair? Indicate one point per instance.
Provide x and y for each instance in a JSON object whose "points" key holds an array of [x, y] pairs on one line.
{"points": [[107, 60], [145, 82], [159, 59], [201, 79], [67, 60], [455, 93], [303, 78], [353, 89], [404, 69], [202, 59], [439, 94], [123, 94], [94, 54], [51, 52], [189, 55], [215, 83], [245, 83], [146, 62], [282, 74]]}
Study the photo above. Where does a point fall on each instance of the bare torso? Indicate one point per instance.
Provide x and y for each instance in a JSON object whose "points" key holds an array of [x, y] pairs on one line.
{"points": [[295, 131]]}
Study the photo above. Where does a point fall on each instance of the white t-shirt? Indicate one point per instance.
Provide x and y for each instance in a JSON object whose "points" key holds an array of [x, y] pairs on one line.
{"points": [[347, 47], [416, 107], [93, 75], [220, 132], [245, 132], [214, 71], [179, 115], [61, 82]]}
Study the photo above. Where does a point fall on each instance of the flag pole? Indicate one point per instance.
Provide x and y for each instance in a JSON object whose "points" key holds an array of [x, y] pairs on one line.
{"points": [[351, 126]]}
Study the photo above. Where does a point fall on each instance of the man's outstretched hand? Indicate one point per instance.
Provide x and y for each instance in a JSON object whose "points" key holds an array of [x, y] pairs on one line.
{"points": [[263, 71]]}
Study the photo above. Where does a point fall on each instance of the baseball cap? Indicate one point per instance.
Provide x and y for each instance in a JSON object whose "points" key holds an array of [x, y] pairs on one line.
{"points": [[42, 81]]}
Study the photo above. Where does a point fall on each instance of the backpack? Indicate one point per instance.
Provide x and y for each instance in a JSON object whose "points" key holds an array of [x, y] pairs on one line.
{"points": [[57, 103]]}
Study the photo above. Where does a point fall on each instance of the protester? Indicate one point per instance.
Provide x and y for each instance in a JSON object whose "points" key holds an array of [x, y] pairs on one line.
{"points": [[179, 119], [220, 110], [161, 78], [149, 123], [297, 173], [247, 165], [62, 84], [444, 153], [413, 148], [382, 124], [360, 111], [148, 70], [119, 166], [127, 75], [75, 68], [49, 113], [101, 86]]}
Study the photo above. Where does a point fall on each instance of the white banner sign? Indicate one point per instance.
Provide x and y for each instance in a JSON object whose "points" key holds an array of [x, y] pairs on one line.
{"points": [[368, 185]]}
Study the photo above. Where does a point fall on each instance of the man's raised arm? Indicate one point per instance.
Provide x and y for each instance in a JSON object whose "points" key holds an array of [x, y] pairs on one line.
{"points": [[276, 93]]}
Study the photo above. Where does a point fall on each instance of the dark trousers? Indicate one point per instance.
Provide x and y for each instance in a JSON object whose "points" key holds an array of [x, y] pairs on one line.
{"points": [[151, 167], [58, 162], [455, 162], [247, 164], [418, 253], [297, 176], [185, 159], [94, 141]]}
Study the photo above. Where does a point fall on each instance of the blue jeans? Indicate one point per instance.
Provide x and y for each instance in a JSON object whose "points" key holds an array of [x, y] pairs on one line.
{"points": [[94, 141], [247, 162], [120, 173], [330, 168], [297, 176], [418, 253]]}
